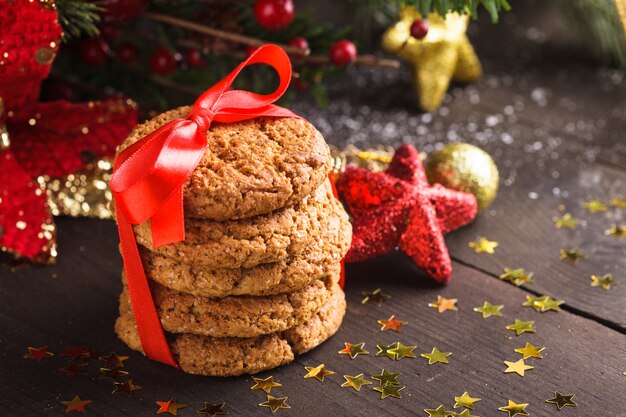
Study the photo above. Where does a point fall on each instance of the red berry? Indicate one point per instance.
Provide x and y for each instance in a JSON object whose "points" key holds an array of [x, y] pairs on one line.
{"points": [[419, 28], [299, 42], [194, 58], [342, 53], [122, 10], [274, 14], [162, 61], [127, 53], [93, 51]]}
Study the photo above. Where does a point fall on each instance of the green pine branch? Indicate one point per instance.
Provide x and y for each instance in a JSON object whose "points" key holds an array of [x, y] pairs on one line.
{"points": [[78, 18], [468, 7]]}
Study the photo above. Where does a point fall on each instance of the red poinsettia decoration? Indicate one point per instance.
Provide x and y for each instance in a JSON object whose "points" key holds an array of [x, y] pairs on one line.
{"points": [[398, 208], [53, 138]]}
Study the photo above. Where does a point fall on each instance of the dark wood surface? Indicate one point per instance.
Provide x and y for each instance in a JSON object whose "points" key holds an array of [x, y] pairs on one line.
{"points": [[581, 154]]}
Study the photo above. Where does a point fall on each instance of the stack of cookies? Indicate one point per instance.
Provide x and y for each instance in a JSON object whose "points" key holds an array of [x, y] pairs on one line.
{"points": [[256, 279]]}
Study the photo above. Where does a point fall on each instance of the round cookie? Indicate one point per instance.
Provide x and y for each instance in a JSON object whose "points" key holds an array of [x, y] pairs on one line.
{"points": [[249, 242], [321, 258], [239, 316], [251, 167], [231, 356]]}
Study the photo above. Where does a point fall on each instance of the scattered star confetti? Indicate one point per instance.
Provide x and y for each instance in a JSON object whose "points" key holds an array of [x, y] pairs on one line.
{"points": [[515, 409], [617, 231], [483, 245], [605, 281], [572, 255], [355, 382], [488, 309], [520, 327], [437, 412], [534, 302], [75, 352], [464, 413], [266, 384], [389, 391], [543, 303], [376, 297], [113, 359], [594, 206], [38, 354], [76, 404], [170, 406], [74, 369], [353, 350], [274, 403], [518, 367], [443, 304], [386, 378], [212, 410], [125, 387], [318, 372], [113, 373], [566, 221], [401, 351], [561, 400], [517, 276], [391, 324], [530, 351], [436, 356], [618, 202], [465, 400], [386, 351], [92, 354]]}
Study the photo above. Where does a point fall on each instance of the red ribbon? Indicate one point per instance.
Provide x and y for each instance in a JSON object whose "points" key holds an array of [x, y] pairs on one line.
{"points": [[148, 179]]}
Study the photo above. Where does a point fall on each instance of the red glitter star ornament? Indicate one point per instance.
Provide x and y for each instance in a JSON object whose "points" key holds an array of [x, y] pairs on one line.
{"points": [[398, 208], [38, 354]]}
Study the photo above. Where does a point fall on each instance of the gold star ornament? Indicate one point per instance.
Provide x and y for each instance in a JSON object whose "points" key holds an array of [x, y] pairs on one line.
{"points": [[616, 231], [520, 327], [605, 281], [391, 324], [274, 403], [376, 297], [436, 356], [488, 309], [594, 206], [266, 384], [566, 221], [389, 391], [517, 276], [402, 351], [212, 410], [530, 351], [572, 255], [355, 382], [170, 407], [543, 303], [518, 367], [515, 409], [353, 350], [125, 387], [317, 372], [483, 245], [465, 400], [386, 378], [445, 54], [561, 400], [444, 304], [618, 202], [437, 412], [76, 404]]}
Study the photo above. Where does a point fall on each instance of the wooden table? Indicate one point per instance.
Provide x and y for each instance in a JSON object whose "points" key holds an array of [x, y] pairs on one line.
{"points": [[556, 128]]}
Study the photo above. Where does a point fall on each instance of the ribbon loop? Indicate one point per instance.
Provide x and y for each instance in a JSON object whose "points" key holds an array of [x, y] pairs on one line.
{"points": [[148, 179]]}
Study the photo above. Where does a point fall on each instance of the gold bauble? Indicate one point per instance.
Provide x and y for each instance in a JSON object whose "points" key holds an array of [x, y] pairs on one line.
{"points": [[465, 167]]}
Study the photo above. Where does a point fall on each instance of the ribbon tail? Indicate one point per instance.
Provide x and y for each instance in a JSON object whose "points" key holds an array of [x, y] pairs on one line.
{"points": [[168, 224], [148, 324]]}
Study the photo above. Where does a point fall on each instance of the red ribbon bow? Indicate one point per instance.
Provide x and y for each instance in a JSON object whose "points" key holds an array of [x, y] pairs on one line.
{"points": [[148, 179]]}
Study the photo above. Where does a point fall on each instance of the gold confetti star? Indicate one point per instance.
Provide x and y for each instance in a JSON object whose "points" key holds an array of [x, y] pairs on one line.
{"points": [[443, 304], [520, 327], [170, 407], [386, 378], [355, 382], [437, 412], [464, 413], [401, 351], [113, 373], [573, 255], [561, 400], [353, 350], [488, 309], [318, 372], [605, 281], [594, 206], [534, 302], [389, 391], [113, 360], [616, 231], [274, 403], [266, 384], [618, 202], [551, 304], [483, 245], [465, 400], [376, 297], [38, 354], [75, 368], [515, 409], [212, 410], [436, 356], [530, 351], [518, 367], [517, 276], [125, 387], [391, 324], [76, 404], [386, 351], [566, 221]]}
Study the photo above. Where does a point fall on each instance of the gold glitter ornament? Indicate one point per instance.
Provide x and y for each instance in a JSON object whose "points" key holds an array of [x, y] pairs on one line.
{"points": [[465, 167], [445, 54]]}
